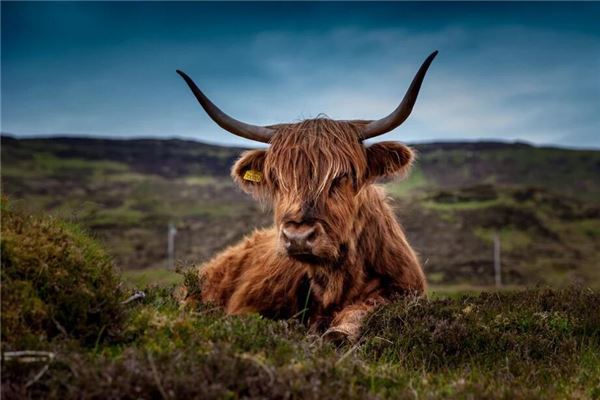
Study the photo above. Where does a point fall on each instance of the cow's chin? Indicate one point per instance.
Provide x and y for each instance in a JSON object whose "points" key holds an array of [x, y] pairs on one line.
{"points": [[323, 254], [307, 258]]}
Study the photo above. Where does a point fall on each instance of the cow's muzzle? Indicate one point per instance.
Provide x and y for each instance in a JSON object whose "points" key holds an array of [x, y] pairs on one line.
{"points": [[299, 238]]}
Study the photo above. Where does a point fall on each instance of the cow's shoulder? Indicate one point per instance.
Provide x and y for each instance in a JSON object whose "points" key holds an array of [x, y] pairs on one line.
{"points": [[260, 239]]}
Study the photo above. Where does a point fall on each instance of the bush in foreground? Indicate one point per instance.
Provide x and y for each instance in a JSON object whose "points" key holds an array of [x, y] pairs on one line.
{"points": [[55, 281]]}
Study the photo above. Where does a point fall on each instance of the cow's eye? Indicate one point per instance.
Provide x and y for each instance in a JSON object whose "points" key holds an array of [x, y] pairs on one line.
{"points": [[337, 183]]}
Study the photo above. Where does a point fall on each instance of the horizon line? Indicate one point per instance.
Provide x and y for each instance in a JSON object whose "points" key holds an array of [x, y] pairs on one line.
{"points": [[259, 145]]}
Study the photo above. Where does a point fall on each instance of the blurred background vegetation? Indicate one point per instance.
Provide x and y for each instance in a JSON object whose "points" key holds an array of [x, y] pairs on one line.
{"points": [[542, 202]]}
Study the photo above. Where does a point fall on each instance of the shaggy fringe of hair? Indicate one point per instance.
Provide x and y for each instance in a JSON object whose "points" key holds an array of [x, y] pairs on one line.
{"points": [[307, 148]]}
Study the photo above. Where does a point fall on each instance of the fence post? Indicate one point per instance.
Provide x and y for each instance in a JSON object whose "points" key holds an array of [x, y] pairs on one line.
{"points": [[497, 264], [172, 231]]}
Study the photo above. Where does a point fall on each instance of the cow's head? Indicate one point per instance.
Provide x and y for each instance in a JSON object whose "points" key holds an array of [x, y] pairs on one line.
{"points": [[314, 172]]}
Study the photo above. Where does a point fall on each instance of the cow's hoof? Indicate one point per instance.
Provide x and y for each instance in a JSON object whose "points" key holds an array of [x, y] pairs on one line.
{"points": [[339, 335]]}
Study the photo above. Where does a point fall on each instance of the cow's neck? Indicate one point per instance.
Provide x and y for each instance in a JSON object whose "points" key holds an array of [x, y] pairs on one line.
{"points": [[378, 237]]}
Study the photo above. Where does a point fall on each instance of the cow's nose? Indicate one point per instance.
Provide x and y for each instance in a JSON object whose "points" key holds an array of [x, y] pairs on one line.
{"points": [[298, 238]]}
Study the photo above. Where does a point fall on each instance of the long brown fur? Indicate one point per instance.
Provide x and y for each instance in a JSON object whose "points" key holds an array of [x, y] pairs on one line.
{"points": [[319, 170]]}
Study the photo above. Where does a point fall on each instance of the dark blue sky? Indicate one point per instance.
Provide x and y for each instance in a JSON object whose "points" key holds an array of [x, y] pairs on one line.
{"points": [[527, 71]]}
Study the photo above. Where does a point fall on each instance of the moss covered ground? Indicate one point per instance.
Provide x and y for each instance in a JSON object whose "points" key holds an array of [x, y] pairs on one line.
{"points": [[61, 295], [533, 344]]}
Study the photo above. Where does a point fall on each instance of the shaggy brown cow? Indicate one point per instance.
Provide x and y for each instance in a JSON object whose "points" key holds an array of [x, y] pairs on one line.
{"points": [[336, 250]]}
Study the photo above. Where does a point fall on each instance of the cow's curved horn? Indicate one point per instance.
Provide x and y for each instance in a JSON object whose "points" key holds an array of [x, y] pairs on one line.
{"points": [[252, 132], [399, 115]]}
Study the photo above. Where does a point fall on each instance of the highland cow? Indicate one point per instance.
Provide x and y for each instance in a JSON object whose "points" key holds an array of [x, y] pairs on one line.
{"points": [[336, 250]]}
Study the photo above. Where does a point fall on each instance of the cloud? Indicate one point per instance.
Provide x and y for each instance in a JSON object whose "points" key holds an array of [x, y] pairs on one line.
{"points": [[488, 82], [542, 88]]}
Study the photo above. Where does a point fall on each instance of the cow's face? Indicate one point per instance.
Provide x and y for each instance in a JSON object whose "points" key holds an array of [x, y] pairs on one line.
{"points": [[314, 173]]}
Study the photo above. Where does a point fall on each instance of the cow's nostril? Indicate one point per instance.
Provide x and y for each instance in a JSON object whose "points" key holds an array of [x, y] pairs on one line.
{"points": [[287, 235], [298, 239]]}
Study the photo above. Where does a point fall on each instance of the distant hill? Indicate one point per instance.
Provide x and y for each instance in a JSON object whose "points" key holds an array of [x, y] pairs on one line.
{"points": [[451, 164], [543, 202], [167, 158], [566, 172]]}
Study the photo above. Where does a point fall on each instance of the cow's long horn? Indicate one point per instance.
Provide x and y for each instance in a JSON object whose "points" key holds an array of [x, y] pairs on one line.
{"points": [[253, 132], [399, 115]]}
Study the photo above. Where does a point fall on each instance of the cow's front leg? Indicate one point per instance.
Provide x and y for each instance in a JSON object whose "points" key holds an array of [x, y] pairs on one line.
{"points": [[347, 323]]}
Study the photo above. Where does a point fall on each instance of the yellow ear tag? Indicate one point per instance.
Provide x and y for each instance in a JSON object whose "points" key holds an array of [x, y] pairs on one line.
{"points": [[253, 175]]}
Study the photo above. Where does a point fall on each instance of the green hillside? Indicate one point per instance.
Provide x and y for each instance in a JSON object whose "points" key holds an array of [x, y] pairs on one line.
{"points": [[565, 172], [542, 202]]}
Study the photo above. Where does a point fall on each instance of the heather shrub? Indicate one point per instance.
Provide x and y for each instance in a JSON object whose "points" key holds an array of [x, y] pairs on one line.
{"points": [[56, 280], [518, 329]]}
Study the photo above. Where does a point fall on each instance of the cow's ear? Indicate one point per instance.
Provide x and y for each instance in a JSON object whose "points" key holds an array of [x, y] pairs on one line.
{"points": [[247, 172], [388, 159]]}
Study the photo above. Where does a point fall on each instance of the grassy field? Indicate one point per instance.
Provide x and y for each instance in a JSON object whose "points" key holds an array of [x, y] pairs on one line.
{"points": [[62, 299], [154, 276], [536, 344]]}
